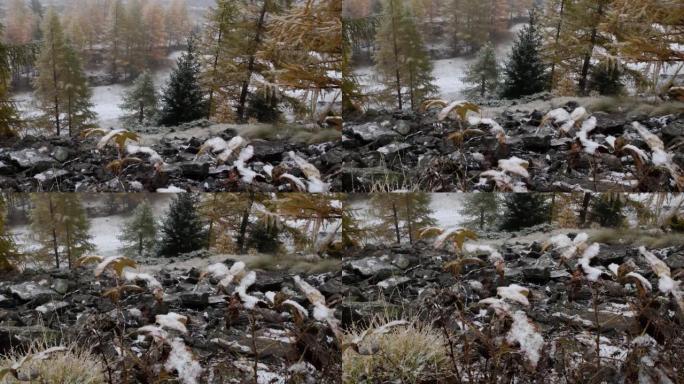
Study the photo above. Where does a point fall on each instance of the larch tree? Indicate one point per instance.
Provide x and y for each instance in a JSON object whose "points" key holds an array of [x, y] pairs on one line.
{"points": [[9, 118], [141, 100], [178, 24], [525, 72], [8, 248], [315, 211], [49, 84], [585, 18], [229, 216], [219, 45], [308, 48], [77, 105], [182, 230], [554, 51], [183, 97], [401, 59], [19, 22], [483, 74], [401, 215], [139, 233], [470, 24], [116, 38], [61, 226], [153, 16], [255, 29], [481, 209]]}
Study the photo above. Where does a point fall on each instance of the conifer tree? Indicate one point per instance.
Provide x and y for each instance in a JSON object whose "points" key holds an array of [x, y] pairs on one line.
{"points": [[139, 233], [8, 248], [401, 215], [525, 71], [606, 78], [9, 118], [484, 72], [607, 210], [61, 87], [470, 24], [182, 98], [115, 37], [219, 47], [141, 100], [61, 226], [308, 48], [49, 89], [482, 209], [182, 230], [522, 210], [401, 59], [77, 93]]}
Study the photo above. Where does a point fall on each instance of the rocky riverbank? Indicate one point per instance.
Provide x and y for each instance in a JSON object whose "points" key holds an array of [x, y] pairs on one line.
{"points": [[640, 332], [414, 151], [35, 163], [128, 330]]}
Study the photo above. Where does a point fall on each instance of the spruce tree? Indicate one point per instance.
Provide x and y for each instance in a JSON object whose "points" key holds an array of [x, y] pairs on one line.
{"points": [[606, 78], [182, 230], [139, 233], [607, 210], [482, 209], [401, 59], [522, 210], [183, 99], [525, 72], [483, 73], [141, 100]]}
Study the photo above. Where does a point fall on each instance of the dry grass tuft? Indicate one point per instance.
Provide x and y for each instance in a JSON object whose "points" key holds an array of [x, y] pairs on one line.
{"points": [[411, 353], [76, 365]]}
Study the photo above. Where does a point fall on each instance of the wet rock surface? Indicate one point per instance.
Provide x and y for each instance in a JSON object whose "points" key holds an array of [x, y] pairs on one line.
{"points": [[57, 306], [407, 150]]}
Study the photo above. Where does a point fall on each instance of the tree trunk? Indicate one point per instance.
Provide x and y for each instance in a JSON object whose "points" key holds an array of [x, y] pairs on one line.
{"points": [[140, 243], [244, 223], [214, 68], [396, 222], [55, 83], [54, 231], [69, 114], [409, 221], [250, 65], [557, 42], [585, 208], [587, 58], [396, 56], [68, 244], [141, 117], [482, 218]]}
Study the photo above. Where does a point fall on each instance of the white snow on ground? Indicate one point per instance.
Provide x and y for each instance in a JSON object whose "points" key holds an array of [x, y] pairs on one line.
{"points": [[105, 98], [104, 231]]}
